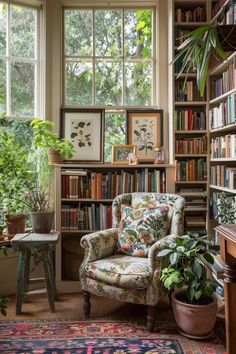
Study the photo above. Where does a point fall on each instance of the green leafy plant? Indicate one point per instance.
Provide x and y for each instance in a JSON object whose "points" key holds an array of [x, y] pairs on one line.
{"points": [[44, 138], [196, 51], [226, 210], [183, 267]]}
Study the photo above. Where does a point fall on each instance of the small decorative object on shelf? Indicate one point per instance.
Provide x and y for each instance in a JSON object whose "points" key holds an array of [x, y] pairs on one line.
{"points": [[132, 159], [120, 154], [159, 155]]}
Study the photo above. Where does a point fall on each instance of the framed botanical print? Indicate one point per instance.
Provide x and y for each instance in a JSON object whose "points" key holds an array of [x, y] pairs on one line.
{"points": [[85, 129], [144, 128]]}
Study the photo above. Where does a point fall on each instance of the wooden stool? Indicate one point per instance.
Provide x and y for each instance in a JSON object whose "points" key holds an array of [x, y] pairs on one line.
{"points": [[26, 244]]}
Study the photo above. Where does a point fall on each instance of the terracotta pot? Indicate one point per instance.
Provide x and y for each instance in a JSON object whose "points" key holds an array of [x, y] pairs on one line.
{"points": [[42, 221], [15, 224], [54, 157], [194, 321]]}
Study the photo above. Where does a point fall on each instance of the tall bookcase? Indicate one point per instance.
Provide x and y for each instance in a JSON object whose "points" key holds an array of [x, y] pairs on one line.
{"points": [[190, 121], [83, 198]]}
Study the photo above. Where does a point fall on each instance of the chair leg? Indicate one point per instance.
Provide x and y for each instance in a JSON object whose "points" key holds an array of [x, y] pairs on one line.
{"points": [[151, 318], [87, 304]]}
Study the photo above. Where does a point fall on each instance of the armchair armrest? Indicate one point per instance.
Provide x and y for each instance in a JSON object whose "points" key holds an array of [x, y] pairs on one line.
{"points": [[153, 260], [99, 244]]}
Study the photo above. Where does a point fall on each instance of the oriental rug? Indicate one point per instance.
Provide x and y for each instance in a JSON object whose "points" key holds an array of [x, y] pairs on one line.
{"points": [[97, 337]]}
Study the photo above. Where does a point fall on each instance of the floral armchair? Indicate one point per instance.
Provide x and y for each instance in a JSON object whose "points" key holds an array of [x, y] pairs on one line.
{"points": [[123, 277]]}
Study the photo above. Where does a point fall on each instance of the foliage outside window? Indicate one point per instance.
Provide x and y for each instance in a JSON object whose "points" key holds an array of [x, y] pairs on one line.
{"points": [[109, 59], [19, 64]]}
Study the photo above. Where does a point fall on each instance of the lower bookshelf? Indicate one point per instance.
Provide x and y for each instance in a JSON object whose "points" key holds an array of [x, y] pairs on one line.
{"points": [[83, 200]]}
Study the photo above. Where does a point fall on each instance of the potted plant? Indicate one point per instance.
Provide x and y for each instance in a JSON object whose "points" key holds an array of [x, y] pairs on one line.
{"points": [[199, 46], [183, 268], [15, 177], [44, 138]]}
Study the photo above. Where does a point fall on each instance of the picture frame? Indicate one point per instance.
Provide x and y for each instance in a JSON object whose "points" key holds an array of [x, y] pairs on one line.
{"points": [[144, 128], [120, 154], [85, 129]]}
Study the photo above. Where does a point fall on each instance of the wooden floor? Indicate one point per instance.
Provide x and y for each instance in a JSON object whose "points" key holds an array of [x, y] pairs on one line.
{"points": [[68, 306]]}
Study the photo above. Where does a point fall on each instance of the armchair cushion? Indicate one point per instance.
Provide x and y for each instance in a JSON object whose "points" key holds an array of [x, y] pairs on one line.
{"points": [[121, 271], [140, 228]]}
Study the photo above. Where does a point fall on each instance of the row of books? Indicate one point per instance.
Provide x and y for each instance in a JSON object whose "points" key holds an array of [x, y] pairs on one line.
{"points": [[225, 83], [191, 145], [223, 146], [191, 170], [224, 114], [180, 35], [194, 221], [223, 176], [187, 92], [92, 217], [229, 17], [195, 202], [98, 185], [216, 6], [187, 119], [197, 14]]}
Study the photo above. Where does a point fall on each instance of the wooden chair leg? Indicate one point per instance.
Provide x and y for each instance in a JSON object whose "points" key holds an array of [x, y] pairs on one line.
{"points": [[151, 318], [87, 304]]}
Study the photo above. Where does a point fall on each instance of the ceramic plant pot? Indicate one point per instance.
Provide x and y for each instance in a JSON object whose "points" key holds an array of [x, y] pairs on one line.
{"points": [[194, 321], [42, 221], [15, 224]]}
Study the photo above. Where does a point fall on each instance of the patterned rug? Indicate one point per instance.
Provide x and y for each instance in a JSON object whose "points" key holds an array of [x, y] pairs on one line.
{"points": [[97, 337]]}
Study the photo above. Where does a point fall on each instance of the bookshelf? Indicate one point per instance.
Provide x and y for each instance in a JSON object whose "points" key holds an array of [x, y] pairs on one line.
{"points": [[190, 121], [83, 200]]}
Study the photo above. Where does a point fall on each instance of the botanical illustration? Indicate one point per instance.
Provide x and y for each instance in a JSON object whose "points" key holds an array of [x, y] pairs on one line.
{"points": [[143, 135], [81, 133]]}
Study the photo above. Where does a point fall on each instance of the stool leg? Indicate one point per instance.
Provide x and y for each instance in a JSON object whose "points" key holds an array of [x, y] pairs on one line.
{"points": [[44, 254], [26, 274], [20, 281], [52, 275]]}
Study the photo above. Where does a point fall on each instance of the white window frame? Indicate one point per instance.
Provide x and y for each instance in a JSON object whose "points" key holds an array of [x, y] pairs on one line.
{"points": [[38, 107], [152, 59]]}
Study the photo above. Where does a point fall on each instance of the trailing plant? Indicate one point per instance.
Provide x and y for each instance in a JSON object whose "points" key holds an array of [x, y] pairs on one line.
{"points": [[183, 267], [44, 138], [226, 209], [196, 51]]}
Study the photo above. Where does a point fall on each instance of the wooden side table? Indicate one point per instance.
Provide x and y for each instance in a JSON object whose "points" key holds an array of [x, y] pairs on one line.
{"points": [[26, 244], [227, 237]]}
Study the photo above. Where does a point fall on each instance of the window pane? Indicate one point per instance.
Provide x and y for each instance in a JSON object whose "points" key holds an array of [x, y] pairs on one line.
{"points": [[23, 32], [108, 83], [138, 83], [138, 33], [78, 83], [78, 32], [108, 32], [22, 89], [2, 87], [114, 132], [3, 19]]}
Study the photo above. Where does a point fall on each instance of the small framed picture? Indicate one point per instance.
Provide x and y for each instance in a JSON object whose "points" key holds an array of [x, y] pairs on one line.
{"points": [[85, 129], [145, 130], [120, 154]]}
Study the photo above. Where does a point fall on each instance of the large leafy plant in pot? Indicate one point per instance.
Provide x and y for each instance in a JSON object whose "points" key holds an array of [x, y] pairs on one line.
{"points": [[184, 268]]}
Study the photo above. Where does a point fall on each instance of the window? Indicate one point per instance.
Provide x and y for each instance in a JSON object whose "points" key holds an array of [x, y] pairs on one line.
{"points": [[19, 61], [109, 61]]}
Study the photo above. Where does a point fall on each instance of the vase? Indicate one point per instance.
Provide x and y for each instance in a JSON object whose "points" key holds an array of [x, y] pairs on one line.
{"points": [[42, 221]]}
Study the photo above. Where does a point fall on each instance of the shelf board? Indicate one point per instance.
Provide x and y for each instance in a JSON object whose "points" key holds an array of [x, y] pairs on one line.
{"points": [[78, 231], [222, 97], [192, 103], [195, 209], [189, 75], [187, 2], [224, 129], [190, 24], [223, 189], [222, 66], [109, 165], [84, 200], [191, 132], [192, 194], [191, 155], [223, 159], [191, 182], [222, 9]]}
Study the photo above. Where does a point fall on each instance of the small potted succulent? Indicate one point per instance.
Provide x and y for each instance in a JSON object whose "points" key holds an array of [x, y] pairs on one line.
{"points": [[184, 269], [44, 138]]}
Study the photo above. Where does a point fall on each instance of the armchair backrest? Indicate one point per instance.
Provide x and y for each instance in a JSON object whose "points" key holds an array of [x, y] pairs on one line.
{"points": [[142, 199]]}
